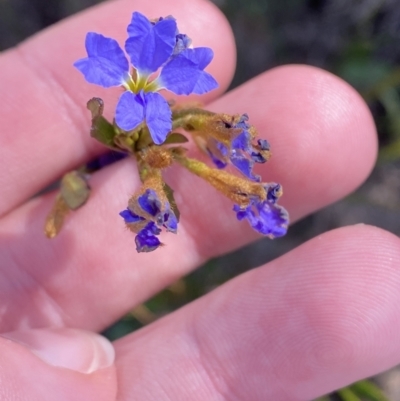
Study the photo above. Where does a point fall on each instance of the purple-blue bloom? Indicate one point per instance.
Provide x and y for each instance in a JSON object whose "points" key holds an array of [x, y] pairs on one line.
{"points": [[149, 45], [242, 153], [146, 240], [153, 215], [153, 47], [266, 217], [130, 217], [184, 74]]}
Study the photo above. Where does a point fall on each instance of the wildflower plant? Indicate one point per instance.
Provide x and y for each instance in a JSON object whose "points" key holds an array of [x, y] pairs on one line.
{"points": [[146, 127]]}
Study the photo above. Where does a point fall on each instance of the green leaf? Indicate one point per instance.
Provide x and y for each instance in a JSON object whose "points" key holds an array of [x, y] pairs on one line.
{"points": [[170, 195], [347, 394], [175, 137], [101, 129], [366, 388]]}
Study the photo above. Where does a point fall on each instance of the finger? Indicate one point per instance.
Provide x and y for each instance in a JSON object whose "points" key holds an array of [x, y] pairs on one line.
{"points": [[315, 320], [45, 124], [63, 365], [322, 134], [309, 159]]}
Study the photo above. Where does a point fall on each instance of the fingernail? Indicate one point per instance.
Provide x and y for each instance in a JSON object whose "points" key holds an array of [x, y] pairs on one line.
{"points": [[78, 350]]}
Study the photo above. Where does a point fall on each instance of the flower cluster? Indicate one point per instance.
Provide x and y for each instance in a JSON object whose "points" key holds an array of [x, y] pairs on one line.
{"points": [[240, 151], [265, 216], [149, 129], [148, 215], [153, 47]]}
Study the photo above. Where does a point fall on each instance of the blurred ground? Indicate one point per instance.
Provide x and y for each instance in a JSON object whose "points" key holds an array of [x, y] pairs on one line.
{"points": [[357, 40]]}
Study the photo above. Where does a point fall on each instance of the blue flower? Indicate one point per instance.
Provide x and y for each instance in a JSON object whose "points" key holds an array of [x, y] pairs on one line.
{"points": [[266, 216], [154, 48], [241, 152], [146, 240], [149, 214]]}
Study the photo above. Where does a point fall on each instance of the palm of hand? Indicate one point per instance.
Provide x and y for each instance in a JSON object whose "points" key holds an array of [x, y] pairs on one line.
{"points": [[320, 317]]}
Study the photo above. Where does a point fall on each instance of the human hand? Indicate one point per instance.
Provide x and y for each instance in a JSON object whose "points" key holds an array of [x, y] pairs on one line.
{"points": [[316, 319]]}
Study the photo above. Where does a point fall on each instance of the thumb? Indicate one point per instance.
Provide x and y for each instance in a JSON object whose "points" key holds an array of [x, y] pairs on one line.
{"points": [[56, 364]]}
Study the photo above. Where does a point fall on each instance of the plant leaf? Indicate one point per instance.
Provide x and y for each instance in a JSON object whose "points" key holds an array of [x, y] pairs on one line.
{"points": [[101, 129], [365, 388], [175, 137], [347, 394]]}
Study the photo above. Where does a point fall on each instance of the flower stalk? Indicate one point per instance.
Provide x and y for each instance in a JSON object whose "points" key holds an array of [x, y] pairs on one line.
{"points": [[237, 189]]}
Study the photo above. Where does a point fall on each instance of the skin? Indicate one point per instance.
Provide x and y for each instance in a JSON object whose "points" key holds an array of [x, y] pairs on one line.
{"points": [[318, 318]]}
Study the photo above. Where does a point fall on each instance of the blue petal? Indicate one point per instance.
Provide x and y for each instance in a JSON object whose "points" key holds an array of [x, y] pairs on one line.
{"points": [[244, 165], [184, 74], [179, 75], [158, 117], [182, 42], [241, 141], [242, 148], [202, 56], [150, 45], [218, 152], [274, 191], [170, 221], [222, 148], [130, 111], [130, 217], [205, 83], [240, 213], [273, 219], [150, 203], [106, 64], [220, 164], [265, 217], [146, 240]]}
